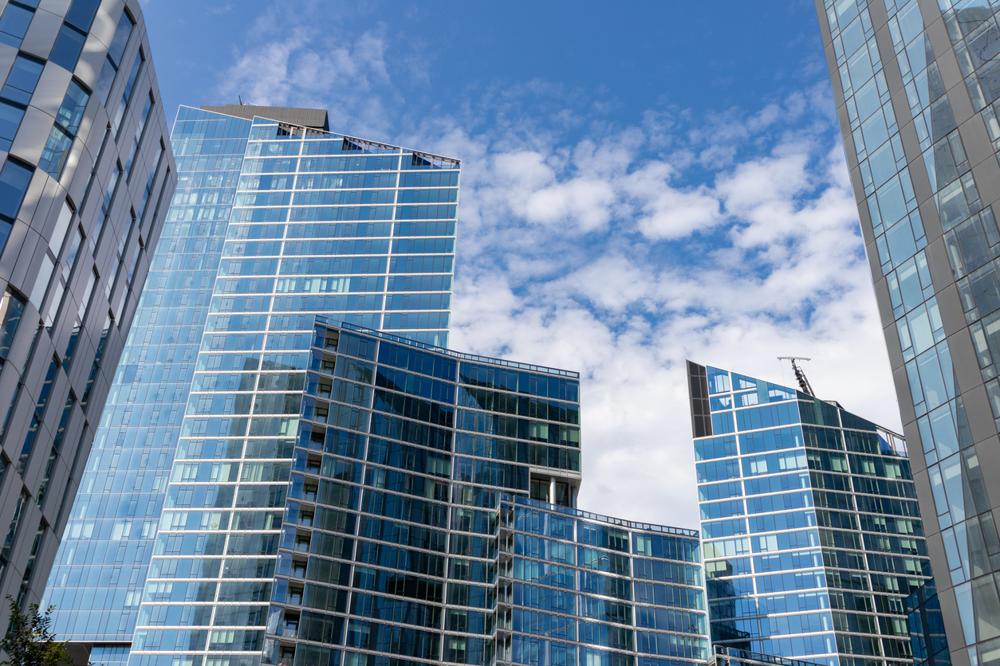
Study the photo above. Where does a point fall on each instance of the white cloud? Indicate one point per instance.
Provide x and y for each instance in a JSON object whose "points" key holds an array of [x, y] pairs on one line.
{"points": [[305, 67], [790, 279], [728, 238], [666, 212]]}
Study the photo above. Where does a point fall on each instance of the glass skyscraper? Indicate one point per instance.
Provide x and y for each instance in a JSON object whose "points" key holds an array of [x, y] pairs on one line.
{"points": [[811, 532], [85, 179], [276, 480], [407, 504], [580, 588], [275, 220], [917, 94]]}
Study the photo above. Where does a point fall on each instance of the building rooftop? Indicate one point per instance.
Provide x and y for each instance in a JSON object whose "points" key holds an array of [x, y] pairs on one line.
{"points": [[314, 118], [601, 518], [569, 374], [318, 119]]}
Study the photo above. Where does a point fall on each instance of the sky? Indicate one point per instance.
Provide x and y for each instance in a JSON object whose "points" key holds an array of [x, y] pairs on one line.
{"points": [[643, 183]]}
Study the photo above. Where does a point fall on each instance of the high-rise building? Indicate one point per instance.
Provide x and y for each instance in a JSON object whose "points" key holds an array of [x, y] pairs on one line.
{"points": [[917, 101], [85, 179], [405, 504], [580, 588], [275, 220], [811, 533]]}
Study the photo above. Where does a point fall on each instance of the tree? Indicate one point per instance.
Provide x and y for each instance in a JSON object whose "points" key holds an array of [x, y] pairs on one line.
{"points": [[29, 640]]}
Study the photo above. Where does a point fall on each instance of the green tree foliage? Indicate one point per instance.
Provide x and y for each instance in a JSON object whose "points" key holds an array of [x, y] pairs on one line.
{"points": [[29, 640]]}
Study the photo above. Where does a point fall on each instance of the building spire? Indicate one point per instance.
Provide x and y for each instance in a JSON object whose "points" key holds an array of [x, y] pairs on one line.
{"points": [[800, 376]]}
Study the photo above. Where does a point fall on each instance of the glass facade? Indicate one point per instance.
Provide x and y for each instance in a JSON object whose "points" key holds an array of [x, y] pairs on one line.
{"points": [[409, 505], [579, 588], [359, 521], [75, 244], [115, 516], [917, 95], [811, 532], [273, 224]]}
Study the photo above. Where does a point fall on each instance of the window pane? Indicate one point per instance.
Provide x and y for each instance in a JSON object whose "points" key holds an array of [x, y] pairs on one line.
{"points": [[11, 309], [10, 120], [120, 40], [14, 24], [81, 13], [14, 180], [22, 79], [66, 50], [55, 152], [73, 106]]}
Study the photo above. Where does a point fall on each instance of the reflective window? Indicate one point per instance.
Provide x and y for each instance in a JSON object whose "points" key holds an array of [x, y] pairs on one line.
{"points": [[81, 13], [15, 20], [22, 79], [64, 130], [67, 47], [14, 180]]}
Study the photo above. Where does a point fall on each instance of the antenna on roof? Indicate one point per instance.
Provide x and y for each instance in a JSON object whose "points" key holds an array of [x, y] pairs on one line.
{"points": [[240, 97], [800, 376]]}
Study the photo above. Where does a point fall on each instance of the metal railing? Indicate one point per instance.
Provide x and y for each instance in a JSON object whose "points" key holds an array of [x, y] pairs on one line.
{"points": [[462, 356]]}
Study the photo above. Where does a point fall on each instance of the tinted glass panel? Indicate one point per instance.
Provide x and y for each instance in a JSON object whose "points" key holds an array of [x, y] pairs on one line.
{"points": [[14, 180], [22, 79], [14, 24], [66, 50]]}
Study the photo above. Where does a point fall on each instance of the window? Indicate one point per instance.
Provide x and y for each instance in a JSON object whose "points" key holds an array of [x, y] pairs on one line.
{"points": [[15, 95], [66, 50], [133, 76], [14, 179], [81, 13], [15, 522], [64, 130], [73, 106], [137, 138], [11, 311], [15, 20], [114, 57], [150, 181], [22, 79], [10, 120], [55, 152]]}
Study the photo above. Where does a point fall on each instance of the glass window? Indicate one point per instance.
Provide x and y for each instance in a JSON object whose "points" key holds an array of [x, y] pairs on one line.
{"points": [[11, 311], [10, 120], [66, 50], [122, 32], [55, 153], [14, 23], [22, 79], [61, 136], [133, 76], [73, 106], [81, 13], [14, 179]]}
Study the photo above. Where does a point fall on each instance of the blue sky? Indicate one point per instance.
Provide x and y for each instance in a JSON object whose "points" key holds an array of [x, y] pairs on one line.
{"points": [[642, 183]]}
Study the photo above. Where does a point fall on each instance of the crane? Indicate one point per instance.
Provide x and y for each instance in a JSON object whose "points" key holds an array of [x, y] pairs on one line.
{"points": [[800, 376]]}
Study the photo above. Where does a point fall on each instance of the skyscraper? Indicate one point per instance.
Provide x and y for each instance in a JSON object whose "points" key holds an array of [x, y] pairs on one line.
{"points": [[406, 503], [581, 588], [916, 96], [811, 533], [85, 179], [275, 220]]}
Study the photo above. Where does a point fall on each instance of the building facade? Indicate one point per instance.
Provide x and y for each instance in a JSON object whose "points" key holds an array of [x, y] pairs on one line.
{"points": [[811, 531], [413, 506], [359, 518], [580, 588], [275, 221], [916, 97], [85, 178]]}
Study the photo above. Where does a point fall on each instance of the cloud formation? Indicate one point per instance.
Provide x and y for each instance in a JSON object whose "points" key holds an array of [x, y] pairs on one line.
{"points": [[729, 238]]}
